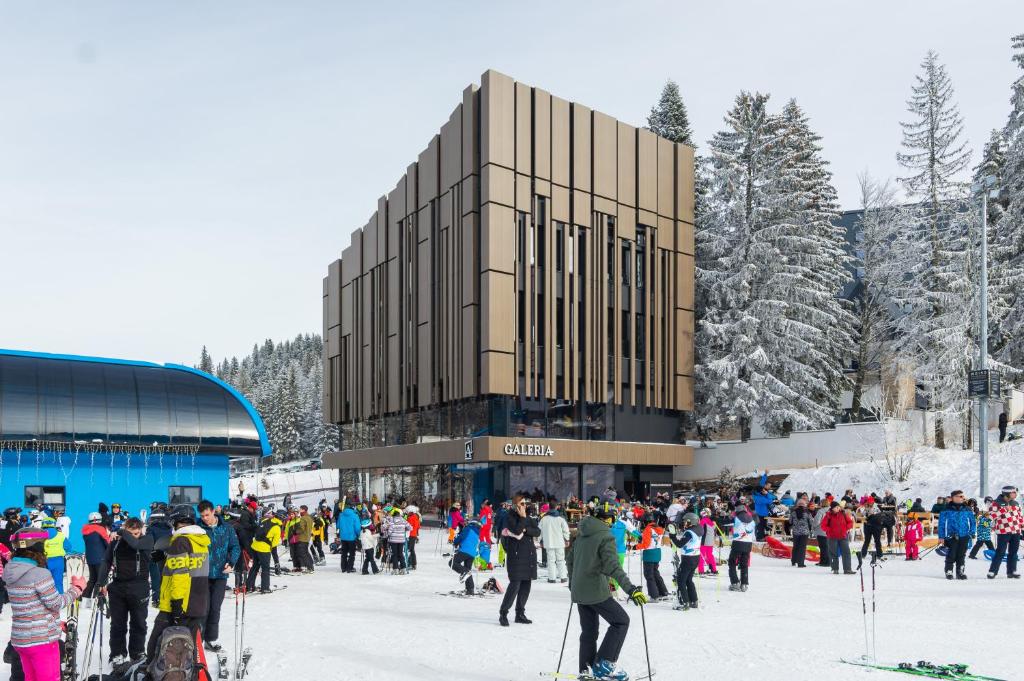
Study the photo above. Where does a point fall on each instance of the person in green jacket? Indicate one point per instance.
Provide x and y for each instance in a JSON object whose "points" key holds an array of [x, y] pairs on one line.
{"points": [[591, 561]]}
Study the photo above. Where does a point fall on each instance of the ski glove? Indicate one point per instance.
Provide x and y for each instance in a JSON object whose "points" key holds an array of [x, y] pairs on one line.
{"points": [[176, 609], [637, 596]]}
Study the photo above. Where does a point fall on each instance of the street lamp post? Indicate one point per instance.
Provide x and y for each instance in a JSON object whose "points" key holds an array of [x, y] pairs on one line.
{"points": [[983, 186]]}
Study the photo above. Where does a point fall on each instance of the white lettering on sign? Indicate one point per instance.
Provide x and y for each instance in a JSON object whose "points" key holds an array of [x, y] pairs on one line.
{"points": [[518, 449]]}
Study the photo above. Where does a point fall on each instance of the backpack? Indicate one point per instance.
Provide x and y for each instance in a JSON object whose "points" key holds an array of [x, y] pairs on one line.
{"points": [[175, 657], [263, 532]]}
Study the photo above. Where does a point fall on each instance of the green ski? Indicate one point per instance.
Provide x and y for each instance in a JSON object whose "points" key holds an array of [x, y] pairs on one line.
{"points": [[952, 672]]}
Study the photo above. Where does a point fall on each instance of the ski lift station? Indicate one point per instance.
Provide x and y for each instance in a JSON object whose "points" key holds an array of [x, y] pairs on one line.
{"points": [[76, 431]]}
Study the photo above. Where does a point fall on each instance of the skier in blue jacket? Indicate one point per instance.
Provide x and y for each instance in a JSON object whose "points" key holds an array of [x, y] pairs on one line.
{"points": [[763, 501], [466, 544], [957, 526], [348, 533]]}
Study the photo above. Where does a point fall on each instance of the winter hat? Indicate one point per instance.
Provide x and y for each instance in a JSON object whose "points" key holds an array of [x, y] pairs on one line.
{"points": [[364, 523], [1008, 489], [95, 517], [411, 509], [835, 504]]}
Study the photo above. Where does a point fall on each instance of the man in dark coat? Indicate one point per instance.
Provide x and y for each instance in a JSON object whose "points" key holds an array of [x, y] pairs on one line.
{"points": [[520, 560]]}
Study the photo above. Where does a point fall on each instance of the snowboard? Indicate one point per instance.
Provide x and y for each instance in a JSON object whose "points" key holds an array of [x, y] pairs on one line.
{"points": [[951, 672], [990, 554]]}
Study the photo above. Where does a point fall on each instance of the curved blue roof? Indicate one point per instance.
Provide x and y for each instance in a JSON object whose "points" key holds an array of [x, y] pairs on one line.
{"points": [[70, 398]]}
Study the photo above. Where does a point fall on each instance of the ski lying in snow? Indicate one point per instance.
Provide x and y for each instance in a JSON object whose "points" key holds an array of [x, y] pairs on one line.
{"points": [[463, 594], [589, 677], [243, 663], [952, 672], [276, 587]]}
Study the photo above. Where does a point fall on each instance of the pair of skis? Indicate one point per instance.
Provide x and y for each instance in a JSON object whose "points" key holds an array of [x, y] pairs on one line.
{"points": [[589, 677], [950, 672]]}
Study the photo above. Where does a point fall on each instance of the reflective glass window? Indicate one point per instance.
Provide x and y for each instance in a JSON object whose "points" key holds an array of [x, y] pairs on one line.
{"points": [[90, 401], [55, 391], [177, 494], [184, 407], [122, 404], [213, 414], [562, 481], [241, 429], [19, 398], [596, 479], [154, 410]]}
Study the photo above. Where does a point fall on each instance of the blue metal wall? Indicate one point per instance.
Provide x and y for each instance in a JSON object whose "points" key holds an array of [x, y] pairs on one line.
{"points": [[134, 481]]}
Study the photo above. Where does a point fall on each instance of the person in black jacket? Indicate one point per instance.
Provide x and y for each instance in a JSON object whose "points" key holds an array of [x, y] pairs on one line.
{"points": [[873, 524], [127, 591], [520, 560], [157, 528]]}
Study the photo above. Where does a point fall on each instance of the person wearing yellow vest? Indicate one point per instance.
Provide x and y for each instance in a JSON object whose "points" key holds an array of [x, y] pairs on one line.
{"points": [[185, 578], [268, 536], [57, 546]]}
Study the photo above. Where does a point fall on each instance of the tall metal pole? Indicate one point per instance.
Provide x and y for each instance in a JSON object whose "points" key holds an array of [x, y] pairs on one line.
{"points": [[983, 347]]}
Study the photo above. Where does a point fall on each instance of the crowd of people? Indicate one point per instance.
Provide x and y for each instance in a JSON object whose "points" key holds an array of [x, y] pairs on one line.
{"points": [[180, 559]]}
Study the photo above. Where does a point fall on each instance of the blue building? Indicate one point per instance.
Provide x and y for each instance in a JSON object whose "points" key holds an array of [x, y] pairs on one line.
{"points": [[77, 431]]}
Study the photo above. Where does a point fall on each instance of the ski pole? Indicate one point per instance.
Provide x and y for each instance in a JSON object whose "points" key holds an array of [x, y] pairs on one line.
{"points": [[647, 651], [874, 644], [564, 637], [864, 608]]}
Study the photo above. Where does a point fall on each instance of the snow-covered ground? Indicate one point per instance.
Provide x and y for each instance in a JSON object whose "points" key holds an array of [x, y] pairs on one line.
{"points": [[793, 623], [935, 472], [306, 487]]}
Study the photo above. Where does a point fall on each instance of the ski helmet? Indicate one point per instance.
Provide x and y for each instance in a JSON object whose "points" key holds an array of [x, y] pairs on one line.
{"points": [[184, 514], [29, 538], [12, 513], [691, 519], [281, 514], [95, 517], [604, 511], [364, 523], [158, 507], [47, 523]]}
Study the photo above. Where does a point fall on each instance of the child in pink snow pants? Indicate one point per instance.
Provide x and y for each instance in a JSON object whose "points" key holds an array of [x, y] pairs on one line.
{"points": [[913, 534], [707, 545]]}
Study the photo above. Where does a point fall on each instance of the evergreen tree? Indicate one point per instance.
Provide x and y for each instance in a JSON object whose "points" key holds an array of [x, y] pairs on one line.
{"points": [[772, 334], [205, 361], [879, 274], [1009, 232], [936, 333], [668, 117]]}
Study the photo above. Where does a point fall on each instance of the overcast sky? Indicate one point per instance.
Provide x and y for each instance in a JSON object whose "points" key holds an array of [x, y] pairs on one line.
{"points": [[180, 174]]}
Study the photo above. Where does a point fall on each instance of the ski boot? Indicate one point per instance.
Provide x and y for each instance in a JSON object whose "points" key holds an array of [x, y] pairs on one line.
{"points": [[603, 669], [949, 574], [961, 573]]}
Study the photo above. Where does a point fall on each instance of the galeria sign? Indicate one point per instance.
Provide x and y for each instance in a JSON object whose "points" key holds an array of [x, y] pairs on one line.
{"points": [[528, 450]]}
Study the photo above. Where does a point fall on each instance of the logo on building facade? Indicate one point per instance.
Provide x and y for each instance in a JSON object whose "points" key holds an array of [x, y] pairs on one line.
{"points": [[528, 450]]}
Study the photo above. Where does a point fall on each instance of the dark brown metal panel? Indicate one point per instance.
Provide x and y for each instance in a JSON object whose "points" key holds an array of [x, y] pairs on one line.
{"points": [[333, 289], [429, 172], [451, 150], [470, 131], [497, 119]]}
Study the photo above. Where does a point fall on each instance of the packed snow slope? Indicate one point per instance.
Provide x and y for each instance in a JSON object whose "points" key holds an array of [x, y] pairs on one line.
{"points": [[793, 623], [934, 472]]}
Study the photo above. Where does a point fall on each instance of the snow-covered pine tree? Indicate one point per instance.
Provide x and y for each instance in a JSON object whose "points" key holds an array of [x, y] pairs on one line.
{"points": [[1001, 274], [801, 264], [879, 274], [730, 360], [1009, 232], [668, 118], [205, 362], [936, 333], [287, 438]]}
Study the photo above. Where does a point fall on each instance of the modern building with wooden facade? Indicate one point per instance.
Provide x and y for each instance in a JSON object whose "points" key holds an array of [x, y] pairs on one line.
{"points": [[520, 305]]}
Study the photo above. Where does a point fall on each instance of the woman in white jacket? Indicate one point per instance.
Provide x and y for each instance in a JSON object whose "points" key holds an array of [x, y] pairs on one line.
{"points": [[554, 537]]}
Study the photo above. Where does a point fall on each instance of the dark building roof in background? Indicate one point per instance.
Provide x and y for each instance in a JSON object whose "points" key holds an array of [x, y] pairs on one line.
{"points": [[101, 401]]}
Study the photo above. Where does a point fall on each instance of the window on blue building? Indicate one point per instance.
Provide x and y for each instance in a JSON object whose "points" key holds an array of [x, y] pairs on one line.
{"points": [[45, 495], [183, 494]]}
